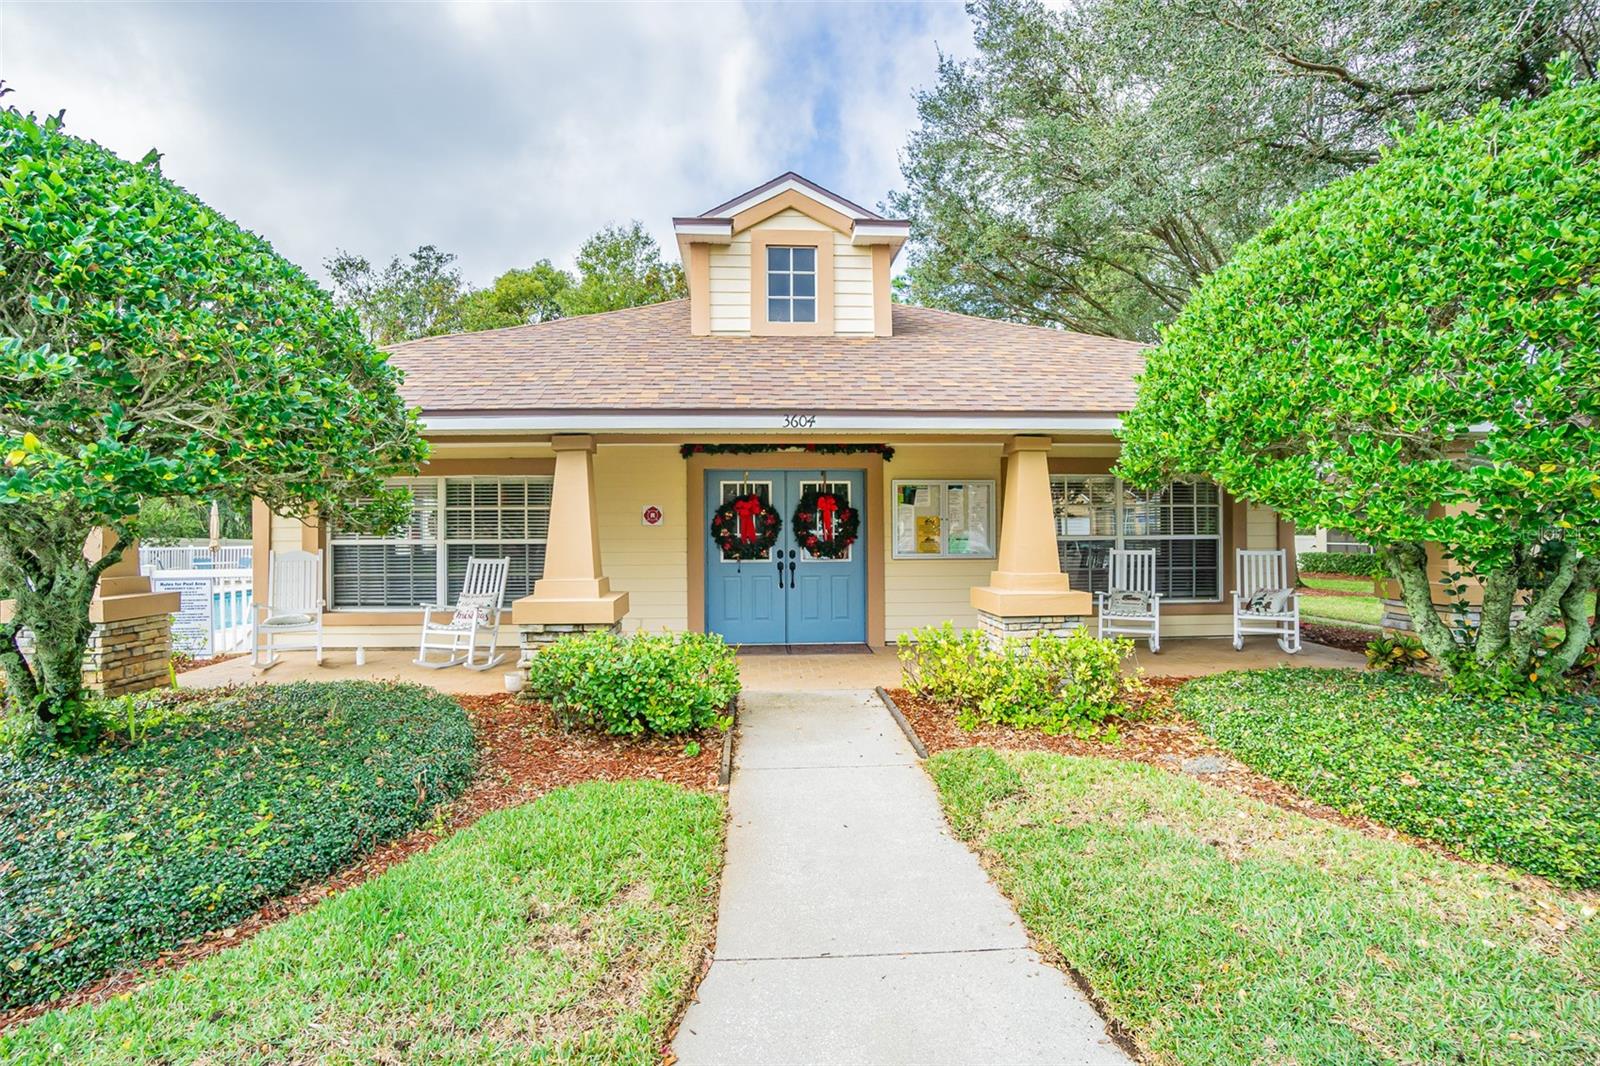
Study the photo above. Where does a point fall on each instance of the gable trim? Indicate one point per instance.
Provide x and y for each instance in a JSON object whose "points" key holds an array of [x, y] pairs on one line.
{"points": [[800, 202]]}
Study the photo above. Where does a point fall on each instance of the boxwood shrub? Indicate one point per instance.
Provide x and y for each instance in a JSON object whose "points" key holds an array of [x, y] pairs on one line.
{"points": [[236, 797], [1356, 564], [1512, 782], [648, 682]]}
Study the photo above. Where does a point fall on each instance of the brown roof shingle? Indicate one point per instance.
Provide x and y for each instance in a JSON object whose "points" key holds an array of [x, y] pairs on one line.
{"points": [[645, 359]]}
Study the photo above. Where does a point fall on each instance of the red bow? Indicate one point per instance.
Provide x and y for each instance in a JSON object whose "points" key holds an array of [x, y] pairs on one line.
{"points": [[747, 507], [826, 505]]}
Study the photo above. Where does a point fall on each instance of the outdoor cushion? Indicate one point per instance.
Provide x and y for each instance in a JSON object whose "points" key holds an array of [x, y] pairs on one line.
{"points": [[466, 617], [288, 620], [1269, 601], [1127, 603]]}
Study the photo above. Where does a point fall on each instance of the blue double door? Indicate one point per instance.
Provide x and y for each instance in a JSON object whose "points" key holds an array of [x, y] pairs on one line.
{"points": [[790, 596]]}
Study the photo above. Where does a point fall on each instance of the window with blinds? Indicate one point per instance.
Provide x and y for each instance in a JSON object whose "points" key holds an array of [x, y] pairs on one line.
{"points": [[452, 520], [1181, 521]]}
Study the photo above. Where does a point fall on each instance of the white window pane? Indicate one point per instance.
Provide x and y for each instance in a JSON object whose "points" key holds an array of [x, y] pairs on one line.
{"points": [[805, 259], [777, 310], [777, 284], [777, 259], [805, 284], [805, 310]]}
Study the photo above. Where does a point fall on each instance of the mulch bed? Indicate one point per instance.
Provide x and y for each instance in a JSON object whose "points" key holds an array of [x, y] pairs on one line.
{"points": [[1346, 638], [1161, 740], [522, 754], [182, 664]]}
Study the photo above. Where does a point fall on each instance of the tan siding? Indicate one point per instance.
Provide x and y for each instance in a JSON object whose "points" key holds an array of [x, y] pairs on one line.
{"points": [[731, 274], [920, 592], [649, 563], [852, 287], [730, 287], [1261, 524]]}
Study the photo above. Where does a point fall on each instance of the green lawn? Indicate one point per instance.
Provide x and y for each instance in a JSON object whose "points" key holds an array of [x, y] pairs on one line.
{"points": [[228, 799], [1514, 782], [565, 931], [1364, 610], [1222, 930]]}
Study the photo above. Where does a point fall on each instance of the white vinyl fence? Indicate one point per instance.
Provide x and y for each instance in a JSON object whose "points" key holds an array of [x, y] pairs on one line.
{"points": [[214, 609], [157, 557]]}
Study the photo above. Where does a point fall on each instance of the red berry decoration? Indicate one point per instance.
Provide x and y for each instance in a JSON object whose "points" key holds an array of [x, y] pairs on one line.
{"points": [[746, 528]]}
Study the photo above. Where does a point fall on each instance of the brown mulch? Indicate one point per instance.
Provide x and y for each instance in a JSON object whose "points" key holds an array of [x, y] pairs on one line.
{"points": [[182, 664], [1346, 638], [1162, 740], [522, 754]]}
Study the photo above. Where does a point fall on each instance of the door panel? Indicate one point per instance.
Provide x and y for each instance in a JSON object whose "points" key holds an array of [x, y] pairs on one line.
{"points": [[790, 597], [829, 604], [743, 601]]}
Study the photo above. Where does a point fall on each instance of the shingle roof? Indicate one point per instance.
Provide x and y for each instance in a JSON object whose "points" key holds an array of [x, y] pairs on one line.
{"points": [[646, 359]]}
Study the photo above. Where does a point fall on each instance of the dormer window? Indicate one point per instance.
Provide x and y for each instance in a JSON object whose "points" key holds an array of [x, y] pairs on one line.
{"points": [[791, 283]]}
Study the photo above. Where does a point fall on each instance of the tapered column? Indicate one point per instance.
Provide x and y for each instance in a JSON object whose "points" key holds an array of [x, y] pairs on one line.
{"points": [[574, 590], [1027, 592]]}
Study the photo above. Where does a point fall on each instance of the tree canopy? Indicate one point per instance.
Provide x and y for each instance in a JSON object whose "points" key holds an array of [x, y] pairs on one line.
{"points": [[1412, 353], [424, 295], [1095, 160], [151, 348]]}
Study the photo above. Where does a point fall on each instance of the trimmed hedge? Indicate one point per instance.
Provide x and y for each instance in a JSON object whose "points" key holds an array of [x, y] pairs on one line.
{"points": [[1502, 781], [649, 682], [1356, 564], [112, 857]]}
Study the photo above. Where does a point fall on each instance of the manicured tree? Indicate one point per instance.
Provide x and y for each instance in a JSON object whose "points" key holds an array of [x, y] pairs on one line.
{"points": [[1411, 354], [151, 348]]}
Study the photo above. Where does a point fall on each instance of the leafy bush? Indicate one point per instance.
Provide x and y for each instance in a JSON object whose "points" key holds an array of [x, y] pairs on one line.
{"points": [[1395, 652], [1356, 564], [1511, 782], [1051, 683], [231, 799], [656, 682]]}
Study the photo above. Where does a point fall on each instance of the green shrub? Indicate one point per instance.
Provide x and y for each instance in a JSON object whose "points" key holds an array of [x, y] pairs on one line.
{"points": [[1395, 652], [229, 800], [1356, 564], [1051, 683], [649, 682], [1506, 781]]}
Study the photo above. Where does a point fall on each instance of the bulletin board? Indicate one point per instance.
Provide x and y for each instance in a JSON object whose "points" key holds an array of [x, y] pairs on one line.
{"points": [[943, 519]]}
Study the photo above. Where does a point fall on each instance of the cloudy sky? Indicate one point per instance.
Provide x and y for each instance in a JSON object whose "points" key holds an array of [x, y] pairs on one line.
{"points": [[501, 132]]}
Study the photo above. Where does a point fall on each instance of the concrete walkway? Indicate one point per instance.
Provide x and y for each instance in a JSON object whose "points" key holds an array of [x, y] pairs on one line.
{"points": [[853, 928]]}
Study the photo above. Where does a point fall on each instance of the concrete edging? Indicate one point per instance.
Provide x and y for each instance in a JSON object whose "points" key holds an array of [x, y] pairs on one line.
{"points": [[725, 765], [905, 727]]}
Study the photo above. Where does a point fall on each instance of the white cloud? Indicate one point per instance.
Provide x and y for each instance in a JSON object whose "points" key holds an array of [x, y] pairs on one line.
{"points": [[501, 132]]}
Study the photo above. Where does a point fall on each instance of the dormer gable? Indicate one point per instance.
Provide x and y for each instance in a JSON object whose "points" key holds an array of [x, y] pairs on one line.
{"points": [[789, 258]]}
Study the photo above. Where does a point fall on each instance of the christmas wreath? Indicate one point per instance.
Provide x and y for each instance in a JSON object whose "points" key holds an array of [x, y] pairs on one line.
{"points": [[746, 527], [824, 526]]}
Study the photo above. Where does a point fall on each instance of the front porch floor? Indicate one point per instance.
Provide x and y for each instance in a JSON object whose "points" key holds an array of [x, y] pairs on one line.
{"points": [[794, 672]]}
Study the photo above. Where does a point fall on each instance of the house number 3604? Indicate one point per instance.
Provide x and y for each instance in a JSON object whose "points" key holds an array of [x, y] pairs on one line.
{"points": [[799, 421]]}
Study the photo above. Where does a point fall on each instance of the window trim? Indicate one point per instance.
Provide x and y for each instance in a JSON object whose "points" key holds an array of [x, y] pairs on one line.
{"points": [[820, 239], [440, 542], [1120, 538]]}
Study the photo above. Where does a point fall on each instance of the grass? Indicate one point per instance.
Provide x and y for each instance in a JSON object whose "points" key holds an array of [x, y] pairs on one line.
{"points": [[1342, 610], [564, 931], [228, 800], [1221, 930], [1512, 782]]}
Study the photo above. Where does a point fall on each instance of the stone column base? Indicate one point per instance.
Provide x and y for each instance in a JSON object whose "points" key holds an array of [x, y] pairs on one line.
{"points": [[128, 655], [996, 628], [535, 636]]}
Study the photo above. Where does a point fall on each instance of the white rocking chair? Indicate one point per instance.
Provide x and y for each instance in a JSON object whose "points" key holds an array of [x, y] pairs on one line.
{"points": [[293, 605], [1263, 600], [1132, 606], [477, 610]]}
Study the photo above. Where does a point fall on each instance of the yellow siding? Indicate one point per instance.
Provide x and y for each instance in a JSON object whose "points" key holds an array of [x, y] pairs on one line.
{"points": [[649, 563], [920, 592], [730, 274], [1261, 525]]}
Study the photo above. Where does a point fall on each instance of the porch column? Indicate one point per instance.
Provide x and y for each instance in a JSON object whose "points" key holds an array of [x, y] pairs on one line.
{"points": [[131, 642], [573, 595], [1028, 593]]}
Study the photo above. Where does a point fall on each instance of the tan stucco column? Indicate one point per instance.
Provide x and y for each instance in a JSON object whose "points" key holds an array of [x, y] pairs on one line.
{"points": [[573, 590], [1028, 581]]}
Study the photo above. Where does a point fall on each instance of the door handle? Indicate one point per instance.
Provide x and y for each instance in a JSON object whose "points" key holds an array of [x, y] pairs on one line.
{"points": [[779, 554], [791, 567]]}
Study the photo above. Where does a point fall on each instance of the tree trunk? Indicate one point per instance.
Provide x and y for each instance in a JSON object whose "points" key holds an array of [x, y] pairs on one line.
{"points": [[1575, 616], [1408, 562], [52, 604]]}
